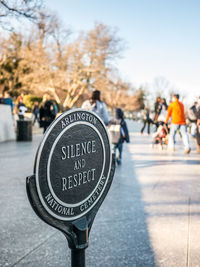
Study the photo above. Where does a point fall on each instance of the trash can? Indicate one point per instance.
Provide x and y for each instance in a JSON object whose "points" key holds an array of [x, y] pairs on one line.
{"points": [[24, 130]]}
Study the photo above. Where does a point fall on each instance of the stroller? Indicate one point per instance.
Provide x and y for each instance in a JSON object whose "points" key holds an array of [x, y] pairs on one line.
{"points": [[161, 135]]}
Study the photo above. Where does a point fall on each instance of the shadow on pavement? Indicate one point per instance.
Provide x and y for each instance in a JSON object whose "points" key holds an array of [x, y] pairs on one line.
{"points": [[120, 232]]}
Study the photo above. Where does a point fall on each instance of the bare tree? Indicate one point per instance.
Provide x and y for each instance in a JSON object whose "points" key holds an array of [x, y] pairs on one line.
{"points": [[162, 87], [47, 61], [24, 8], [84, 64]]}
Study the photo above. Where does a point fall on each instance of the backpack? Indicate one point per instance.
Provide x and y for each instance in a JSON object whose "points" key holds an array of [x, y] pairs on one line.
{"points": [[192, 116], [114, 131]]}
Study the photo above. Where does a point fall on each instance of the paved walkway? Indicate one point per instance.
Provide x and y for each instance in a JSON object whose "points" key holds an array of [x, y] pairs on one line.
{"points": [[170, 190], [151, 216]]}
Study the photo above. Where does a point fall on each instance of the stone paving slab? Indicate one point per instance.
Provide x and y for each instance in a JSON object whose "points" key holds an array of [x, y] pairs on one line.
{"points": [[151, 216]]}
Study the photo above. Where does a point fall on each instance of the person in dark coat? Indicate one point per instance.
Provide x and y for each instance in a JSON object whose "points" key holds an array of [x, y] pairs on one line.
{"points": [[46, 112], [119, 115], [35, 112], [146, 120]]}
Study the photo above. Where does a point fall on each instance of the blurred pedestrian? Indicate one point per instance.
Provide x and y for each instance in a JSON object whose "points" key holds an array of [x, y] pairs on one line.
{"points": [[96, 105], [21, 109], [192, 116], [157, 108], [46, 112], [146, 120], [35, 112], [176, 112], [19, 99], [119, 133], [8, 100], [198, 127], [55, 107], [163, 110]]}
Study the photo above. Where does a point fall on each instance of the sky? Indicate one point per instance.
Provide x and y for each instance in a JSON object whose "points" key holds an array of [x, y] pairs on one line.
{"points": [[161, 37]]}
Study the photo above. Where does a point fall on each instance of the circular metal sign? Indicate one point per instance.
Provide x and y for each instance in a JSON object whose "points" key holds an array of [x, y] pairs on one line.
{"points": [[72, 165]]}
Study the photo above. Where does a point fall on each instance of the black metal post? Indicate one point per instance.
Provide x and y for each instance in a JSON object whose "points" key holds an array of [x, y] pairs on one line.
{"points": [[80, 230], [78, 258]]}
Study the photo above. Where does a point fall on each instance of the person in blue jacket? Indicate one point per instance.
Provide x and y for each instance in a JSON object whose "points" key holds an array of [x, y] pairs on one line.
{"points": [[124, 136]]}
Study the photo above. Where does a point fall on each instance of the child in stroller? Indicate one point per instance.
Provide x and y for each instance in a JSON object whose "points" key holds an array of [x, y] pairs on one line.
{"points": [[161, 135]]}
